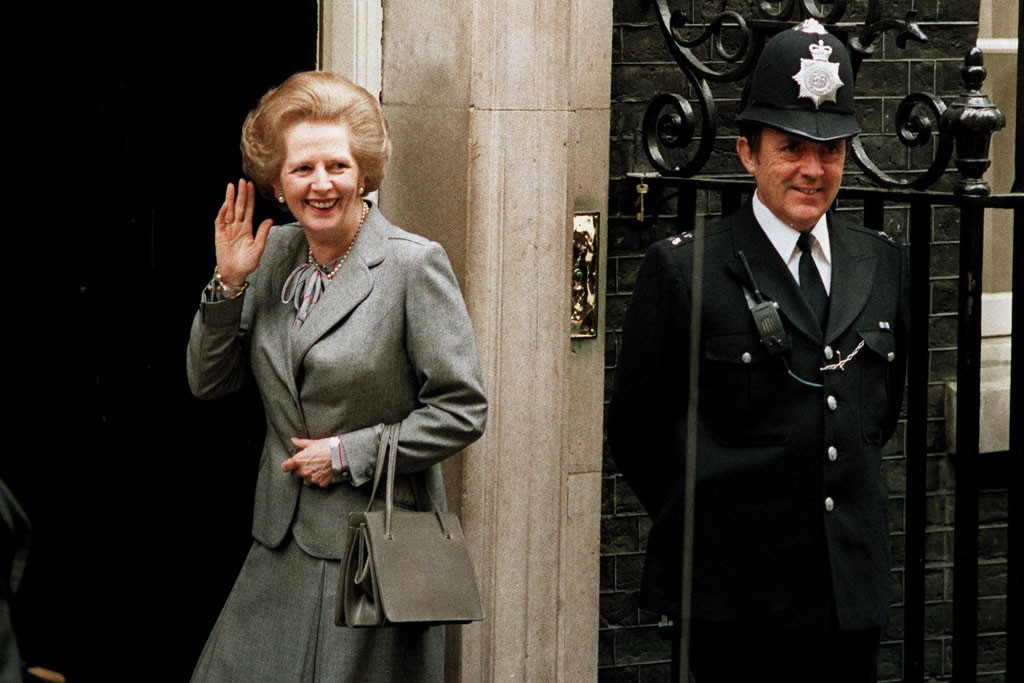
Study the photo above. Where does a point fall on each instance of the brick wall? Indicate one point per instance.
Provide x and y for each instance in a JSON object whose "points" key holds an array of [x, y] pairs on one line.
{"points": [[631, 645]]}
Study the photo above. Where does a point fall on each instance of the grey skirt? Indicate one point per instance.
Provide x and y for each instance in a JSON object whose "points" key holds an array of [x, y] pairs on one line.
{"points": [[277, 626]]}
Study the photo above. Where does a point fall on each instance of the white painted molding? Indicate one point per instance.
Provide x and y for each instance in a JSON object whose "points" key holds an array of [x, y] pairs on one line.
{"points": [[994, 406], [996, 316], [998, 45], [350, 40]]}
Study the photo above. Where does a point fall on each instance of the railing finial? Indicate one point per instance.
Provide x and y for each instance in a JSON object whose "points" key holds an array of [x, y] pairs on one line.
{"points": [[972, 119]]}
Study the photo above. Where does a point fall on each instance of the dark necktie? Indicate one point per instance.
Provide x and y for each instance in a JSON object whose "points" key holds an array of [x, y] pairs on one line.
{"points": [[810, 279]]}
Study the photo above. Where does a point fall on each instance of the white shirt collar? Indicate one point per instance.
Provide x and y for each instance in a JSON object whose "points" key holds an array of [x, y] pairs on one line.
{"points": [[784, 238]]}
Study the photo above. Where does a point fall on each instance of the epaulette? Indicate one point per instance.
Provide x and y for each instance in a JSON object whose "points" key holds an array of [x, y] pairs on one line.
{"points": [[877, 234], [682, 237]]}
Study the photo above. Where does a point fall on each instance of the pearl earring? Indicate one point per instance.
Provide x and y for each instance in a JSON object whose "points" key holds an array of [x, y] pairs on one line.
{"points": [[280, 197]]}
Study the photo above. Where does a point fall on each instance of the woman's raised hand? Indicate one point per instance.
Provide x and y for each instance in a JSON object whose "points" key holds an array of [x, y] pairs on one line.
{"points": [[238, 250]]}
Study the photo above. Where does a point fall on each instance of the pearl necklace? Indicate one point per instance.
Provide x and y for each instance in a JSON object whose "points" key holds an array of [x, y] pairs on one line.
{"points": [[323, 269], [306, 283]]}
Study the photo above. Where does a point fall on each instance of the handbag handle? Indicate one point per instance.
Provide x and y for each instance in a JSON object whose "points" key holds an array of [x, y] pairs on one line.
{"points": [[387, 458], [389, 491], [389, 434]]}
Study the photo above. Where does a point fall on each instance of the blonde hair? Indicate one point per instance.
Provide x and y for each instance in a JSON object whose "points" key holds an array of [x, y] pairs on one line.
{"points": [[318, 97]]}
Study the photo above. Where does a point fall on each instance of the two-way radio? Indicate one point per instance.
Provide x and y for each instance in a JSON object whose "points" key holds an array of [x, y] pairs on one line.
{"points": [[769, 325], [766, 318]]}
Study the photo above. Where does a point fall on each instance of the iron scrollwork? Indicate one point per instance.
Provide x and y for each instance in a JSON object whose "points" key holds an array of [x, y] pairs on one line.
{"points": [[669, 125], [917, 119], [671, 122], [678, 131]]}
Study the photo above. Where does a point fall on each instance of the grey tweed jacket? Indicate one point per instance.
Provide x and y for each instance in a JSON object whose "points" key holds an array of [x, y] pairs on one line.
{"points": [[389, 340]]}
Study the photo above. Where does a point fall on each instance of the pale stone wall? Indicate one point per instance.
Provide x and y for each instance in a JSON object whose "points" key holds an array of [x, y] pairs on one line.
{"points": [[500, 113]]}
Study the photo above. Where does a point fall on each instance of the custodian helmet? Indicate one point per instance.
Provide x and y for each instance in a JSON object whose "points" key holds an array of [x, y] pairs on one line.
{"points": [[803, 84]]}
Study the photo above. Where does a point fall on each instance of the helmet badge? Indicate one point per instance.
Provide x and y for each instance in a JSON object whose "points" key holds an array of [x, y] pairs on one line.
{"points": [[818, 78]]}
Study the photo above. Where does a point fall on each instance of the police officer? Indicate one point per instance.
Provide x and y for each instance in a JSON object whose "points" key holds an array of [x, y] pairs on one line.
{"points": [[802, 356]]}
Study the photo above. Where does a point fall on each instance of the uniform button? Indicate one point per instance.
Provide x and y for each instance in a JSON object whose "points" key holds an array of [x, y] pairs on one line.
{"points": [[369, 471], [832, 402], [746, 358], [891, 356], [832, 453], [829, 504], [829, 353]]}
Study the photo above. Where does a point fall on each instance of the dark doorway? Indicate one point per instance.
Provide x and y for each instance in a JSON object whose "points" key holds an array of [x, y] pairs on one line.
{"points": [[125, 132]]}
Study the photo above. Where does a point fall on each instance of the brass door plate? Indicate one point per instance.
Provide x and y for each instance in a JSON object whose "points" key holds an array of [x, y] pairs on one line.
{"points": [[584, 274]]}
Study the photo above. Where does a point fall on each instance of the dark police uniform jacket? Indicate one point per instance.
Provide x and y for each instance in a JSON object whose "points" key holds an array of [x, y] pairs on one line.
{"points": [[790, 526]]}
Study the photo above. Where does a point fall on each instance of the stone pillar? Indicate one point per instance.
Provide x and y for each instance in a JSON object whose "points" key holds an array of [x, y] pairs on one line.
{"points": [[500, 115]]}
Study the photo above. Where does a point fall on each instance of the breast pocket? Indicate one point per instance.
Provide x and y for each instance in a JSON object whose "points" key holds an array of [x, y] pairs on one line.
{"points": [[877, 356], [742, 388]]}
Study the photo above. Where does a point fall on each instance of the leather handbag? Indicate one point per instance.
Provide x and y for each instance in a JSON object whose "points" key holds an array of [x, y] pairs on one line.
{"points": [[403, 567]]}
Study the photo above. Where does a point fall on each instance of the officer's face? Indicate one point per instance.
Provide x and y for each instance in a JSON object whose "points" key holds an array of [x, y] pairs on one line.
{"points": [[796, 178]]}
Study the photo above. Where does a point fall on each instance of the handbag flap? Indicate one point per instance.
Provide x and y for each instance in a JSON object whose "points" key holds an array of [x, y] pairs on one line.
{"points": [[424, 574]]}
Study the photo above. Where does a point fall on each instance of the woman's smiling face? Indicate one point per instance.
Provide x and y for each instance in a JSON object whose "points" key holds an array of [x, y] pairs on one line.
{"points": [[320, 178]]}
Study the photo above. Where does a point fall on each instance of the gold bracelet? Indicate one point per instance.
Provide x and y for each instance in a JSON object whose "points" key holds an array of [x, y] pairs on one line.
{"points": [[229, 291]]}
